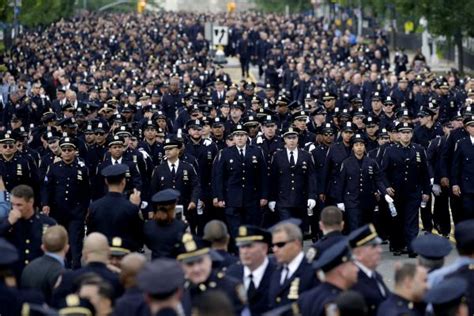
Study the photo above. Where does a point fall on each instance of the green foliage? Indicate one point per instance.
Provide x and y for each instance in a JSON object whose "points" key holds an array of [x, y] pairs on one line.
{"points": [[37, 12], [278, 6]]}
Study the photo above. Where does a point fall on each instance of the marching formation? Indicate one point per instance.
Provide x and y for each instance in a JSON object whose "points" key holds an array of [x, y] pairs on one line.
{"points": [[121, 138]]}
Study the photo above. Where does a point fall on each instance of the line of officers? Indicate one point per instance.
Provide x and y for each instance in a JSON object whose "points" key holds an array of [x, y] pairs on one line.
{"points": [[336, 276], [255, 181]]}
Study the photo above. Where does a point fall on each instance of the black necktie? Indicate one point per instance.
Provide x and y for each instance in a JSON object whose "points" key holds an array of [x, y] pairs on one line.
{"points": [[292, 159], [242, 153], [173, 170], [251, 290], [284, 275]]}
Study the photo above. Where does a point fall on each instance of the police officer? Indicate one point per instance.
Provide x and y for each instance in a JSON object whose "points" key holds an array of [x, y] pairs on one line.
{"points": [[163, 232], [179, 175], [340, 273], [409, 290], [150, 143], [431, 250], [255, 268], [65, 196], [294, 274], [359, 182], [9, 298], [204, 150], [241, 182], [196, 260], [406, 173], [123, 219], [116, 150], [24, 227], [449, 297], [463, 170], [293, 181], [336, 154], [14, 168], [367, 251]]}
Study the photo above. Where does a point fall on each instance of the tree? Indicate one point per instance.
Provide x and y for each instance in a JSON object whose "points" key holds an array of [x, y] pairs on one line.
{"points": [[37, 12], [278, 6]]}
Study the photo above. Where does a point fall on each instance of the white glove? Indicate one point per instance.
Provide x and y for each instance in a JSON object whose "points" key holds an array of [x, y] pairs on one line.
{"points": [[259, 140], [311, 204], [271, 205], [436, 189], [341, 206], [388, 198]]}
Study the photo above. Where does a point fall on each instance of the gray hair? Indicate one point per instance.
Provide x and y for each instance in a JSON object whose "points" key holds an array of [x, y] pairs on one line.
{"points": [[293, 231]]}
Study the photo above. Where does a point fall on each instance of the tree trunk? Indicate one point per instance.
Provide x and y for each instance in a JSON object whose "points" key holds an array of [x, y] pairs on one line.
{"points": [[458, 43]]}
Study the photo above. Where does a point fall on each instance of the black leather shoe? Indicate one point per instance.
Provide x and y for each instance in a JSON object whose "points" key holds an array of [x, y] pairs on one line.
{"points": [[397, 252]]}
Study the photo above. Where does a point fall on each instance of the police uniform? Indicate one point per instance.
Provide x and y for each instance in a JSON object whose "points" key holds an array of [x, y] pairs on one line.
{"points": [[370, 283], [359, 180], [257, 296], [164, 237], [406, 171], [10, 303], [396, 305], [462, 171], [66, 190], [336, 154], [184, 179], [122, 220], [293, 181], [431, 247], [26, 235], [193, 248], [449, 294], [314, 302], [133, 178], [17, 169], [241, 181]]}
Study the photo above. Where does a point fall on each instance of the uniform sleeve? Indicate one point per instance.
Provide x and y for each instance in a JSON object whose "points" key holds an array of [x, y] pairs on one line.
{"points": [[326, 171], [379, 179], [425, 176], [154, 186], [263, 179], [48, 186], [456, 165], [313, 179], [196, 191], [136, 178], [446, 157], [341, 183], [220, 176]]}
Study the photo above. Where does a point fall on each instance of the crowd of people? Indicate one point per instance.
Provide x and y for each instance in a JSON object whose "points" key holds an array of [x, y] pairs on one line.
{"points": [[122, 139]]}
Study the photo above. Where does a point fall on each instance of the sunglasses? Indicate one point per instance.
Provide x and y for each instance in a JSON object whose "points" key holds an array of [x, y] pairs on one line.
{"points": [[11, 146], [68, 150], [328, 134], [388, 104], [100, 133], [281, 244]]}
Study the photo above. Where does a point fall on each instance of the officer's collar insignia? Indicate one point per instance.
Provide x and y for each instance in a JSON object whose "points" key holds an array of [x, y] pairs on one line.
{"points": [[117, 242], [72, 300], [242, 231]]}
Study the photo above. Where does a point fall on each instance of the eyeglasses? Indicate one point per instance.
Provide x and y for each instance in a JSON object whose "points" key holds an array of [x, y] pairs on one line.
{"points": [[11, 146], [328, 134], [281, 244]]}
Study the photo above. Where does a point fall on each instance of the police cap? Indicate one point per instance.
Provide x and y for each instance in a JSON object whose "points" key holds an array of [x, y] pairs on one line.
{"points": [[161, 277], [448, 293], [248, 234], [165, 197], [358, 138], [463, 235], [431, 246], [192, 248], [365, 235], [67, 142], [115, 171]]}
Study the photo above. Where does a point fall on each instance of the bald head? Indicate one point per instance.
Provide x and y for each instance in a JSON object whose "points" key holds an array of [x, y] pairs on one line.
{"points": [[96, 248], [130, 266]]}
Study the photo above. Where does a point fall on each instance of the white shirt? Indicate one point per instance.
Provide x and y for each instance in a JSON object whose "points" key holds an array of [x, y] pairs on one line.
{"points": [[370, 274], [176, 164], [295, 154], [243, 149], [472, 140], [257, 274], [294, 264], [118, 161]]}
